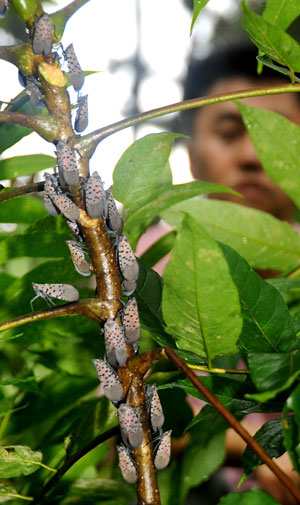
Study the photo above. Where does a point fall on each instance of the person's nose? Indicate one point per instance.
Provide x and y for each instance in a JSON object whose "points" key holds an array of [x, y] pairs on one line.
{"points": [[248, 159]]}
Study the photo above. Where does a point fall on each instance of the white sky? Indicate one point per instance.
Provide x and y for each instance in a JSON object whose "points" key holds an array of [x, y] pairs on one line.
{"points": [[105, 30]]}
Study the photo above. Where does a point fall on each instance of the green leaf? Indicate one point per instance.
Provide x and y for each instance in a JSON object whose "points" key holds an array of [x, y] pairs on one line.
{"points": [[26, 384], [139, 169], [25, 165], [270, 437], [148, 295], [26, 209], [7, 491], [138, 220], [253, 497], [198, 6], [263, 240], [200, 301], [37, 241], [272, 373], [291, 427], [267, 325], [264, 60], [159, 249], [281, 12], [273, 41], [16, 460], [206, 450], [276, 141]]}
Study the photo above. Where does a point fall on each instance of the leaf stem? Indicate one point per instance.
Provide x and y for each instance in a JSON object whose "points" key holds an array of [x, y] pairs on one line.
{"points": [[203, 368], [72, 460], [233, 422], [88, 143]]}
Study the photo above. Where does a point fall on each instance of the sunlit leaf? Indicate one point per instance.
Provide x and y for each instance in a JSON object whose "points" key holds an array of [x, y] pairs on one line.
{"points": [[138, 219], [61, 17], [277, 143], [263, 240], [26, 209], [139, 169], [253, 497], [281, 12], [198, 6], [200, 301], [25, 165], [18, 460], [8, 492]]}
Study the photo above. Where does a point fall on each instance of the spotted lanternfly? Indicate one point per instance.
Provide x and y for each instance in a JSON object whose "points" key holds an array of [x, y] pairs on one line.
{"points": [[3, 8], [81, 120], [109, 379], [163, 451], [79, 261], [95, 201], [114, 219], [33, 90], [127, 261], [66, 207], [127, 465], [130, 425], [131, 322], [50, 188], [76, 75], [67, 164], [42, 37], [115, 345], [129, 287], [155, 409], [60, 291], [74, 228]]}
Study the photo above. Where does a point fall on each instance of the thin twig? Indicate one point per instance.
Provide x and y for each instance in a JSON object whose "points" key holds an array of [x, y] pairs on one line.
{"points": [[72, 460], [22, 190], [202, 368], [233, 422]]}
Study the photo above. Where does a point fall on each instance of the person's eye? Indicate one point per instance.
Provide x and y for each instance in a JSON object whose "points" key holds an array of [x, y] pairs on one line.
{"points": [[229, 134]]}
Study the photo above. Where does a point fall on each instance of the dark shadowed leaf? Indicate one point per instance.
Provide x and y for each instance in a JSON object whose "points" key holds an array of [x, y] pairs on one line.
{"points": [[270, 437], [267, 325], [159, 249], [291, 427], [270, 39], [263, 240], [276, 140], [200, 301], [273, 373]]}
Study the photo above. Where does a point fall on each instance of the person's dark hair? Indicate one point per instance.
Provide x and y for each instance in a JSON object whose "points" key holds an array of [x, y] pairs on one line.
{"points": [[233, 62]]}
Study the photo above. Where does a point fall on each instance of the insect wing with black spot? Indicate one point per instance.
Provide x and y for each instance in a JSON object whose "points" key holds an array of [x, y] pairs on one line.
{"points": [[127, 465], [65, 292], [109, 379], [155, 409], [78, 258], [42, 37], [82, 119], [163, 451], [50, 189], [33, 90], [114, 219], [115, 345], [95, 201], [130, 425], [67, 164], [127, 261], [131, 322], [66, 207], [76, 75]]}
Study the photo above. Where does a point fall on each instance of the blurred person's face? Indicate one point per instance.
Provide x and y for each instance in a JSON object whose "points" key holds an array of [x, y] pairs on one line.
{"points": [[221, 150]]}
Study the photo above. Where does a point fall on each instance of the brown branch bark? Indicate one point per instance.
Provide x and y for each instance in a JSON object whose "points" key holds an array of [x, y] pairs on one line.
{"points": [[233, 422], [45, 126], [22, 190]]}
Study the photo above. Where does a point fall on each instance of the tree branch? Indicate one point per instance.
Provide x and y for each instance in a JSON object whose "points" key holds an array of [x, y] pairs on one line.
{"points": [[88, 143], [232, 421], [72, 460], [45, 126], [22, 190]]}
